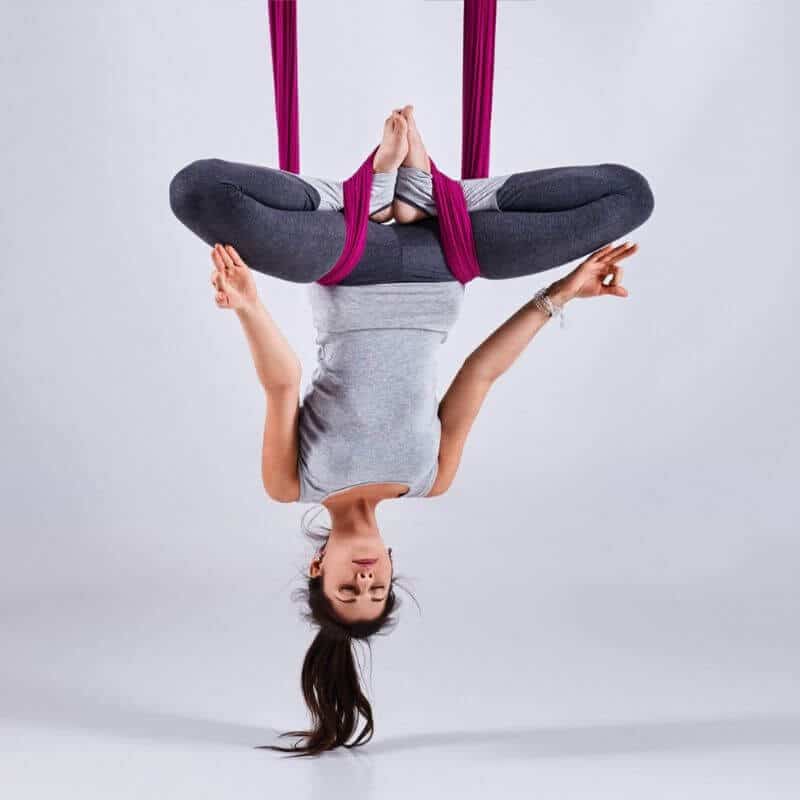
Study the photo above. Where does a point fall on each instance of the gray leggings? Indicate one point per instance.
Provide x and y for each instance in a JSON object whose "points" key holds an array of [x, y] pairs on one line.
{"points": [[546, 218]]}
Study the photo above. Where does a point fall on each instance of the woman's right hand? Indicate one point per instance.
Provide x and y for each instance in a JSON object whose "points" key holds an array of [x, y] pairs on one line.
{"points": [[232, 279]]}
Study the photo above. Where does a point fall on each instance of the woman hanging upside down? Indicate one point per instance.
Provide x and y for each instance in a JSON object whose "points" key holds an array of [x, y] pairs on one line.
{"points": [[370, 427]]}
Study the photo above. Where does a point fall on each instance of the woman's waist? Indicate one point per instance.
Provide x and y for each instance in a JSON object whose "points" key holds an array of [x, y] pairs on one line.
{"points": [[407, 352], [399, 306]]}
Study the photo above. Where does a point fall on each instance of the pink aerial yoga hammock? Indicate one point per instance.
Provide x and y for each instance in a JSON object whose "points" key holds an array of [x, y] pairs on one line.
{"points": [[455, 227]]}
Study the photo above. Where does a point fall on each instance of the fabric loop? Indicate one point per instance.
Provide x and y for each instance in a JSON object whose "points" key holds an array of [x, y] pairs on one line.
{"points": [[455, 226]]}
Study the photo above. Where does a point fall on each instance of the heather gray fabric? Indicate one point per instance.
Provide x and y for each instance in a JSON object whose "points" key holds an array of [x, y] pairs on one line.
{"points": [[415, 187], [370, 414], [331, 192], [547, 218]]}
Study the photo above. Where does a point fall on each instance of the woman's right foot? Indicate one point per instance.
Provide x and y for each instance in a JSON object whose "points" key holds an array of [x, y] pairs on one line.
{"points": [[417, 156]]}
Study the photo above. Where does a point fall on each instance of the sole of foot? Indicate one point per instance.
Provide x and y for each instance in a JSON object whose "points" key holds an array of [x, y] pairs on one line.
{"points": [[394, 145]]}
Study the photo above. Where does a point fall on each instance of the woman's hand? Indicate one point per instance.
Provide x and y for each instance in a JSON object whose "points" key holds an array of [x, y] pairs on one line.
{"points": [[588, 279], [232, 279]]}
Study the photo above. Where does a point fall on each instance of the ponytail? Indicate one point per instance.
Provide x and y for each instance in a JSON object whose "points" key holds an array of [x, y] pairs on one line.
{"points": [[334, 697], [330, 678]]}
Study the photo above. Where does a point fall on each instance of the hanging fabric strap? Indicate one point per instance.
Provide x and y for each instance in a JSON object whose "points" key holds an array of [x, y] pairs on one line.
{"points": [[357, 189], [455, 227], [283, 39], [477, 87]]}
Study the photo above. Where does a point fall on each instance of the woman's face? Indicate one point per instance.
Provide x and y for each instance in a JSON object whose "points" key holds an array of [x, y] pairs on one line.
{"points": [[356, 576]]}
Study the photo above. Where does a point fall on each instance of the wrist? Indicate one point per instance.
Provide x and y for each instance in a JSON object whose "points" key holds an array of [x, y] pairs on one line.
{"points": [[250, 308], [558, 294], [551, 302]]}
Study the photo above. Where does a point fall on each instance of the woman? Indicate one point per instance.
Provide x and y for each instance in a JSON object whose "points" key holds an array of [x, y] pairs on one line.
{"points": [[370, 428]]}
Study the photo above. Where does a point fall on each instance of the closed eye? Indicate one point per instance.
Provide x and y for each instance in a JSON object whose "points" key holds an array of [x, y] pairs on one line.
{"points": [[352, 590], [374, 600]]}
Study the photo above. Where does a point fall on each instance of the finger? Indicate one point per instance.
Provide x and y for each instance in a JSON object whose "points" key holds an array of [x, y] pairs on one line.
{"points": [[616, 276], [235, 257], [226, 259], [623, 251], [617, 252], [598, 254], [217, 259], [617, 291], [222, 299], [629, 251]]}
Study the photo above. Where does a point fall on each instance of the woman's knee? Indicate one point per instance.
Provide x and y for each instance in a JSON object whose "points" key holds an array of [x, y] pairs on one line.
{"points": [[636, 188], [197, 189]]}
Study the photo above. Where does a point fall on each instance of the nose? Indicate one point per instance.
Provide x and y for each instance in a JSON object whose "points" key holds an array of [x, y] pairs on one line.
{"points": [[364, 575]]}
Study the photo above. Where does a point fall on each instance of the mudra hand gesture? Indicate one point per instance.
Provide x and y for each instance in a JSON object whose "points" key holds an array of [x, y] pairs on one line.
{"points": [[588, 279], [232, 279]]}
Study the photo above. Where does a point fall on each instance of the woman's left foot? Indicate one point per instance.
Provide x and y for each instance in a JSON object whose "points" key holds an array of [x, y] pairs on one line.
{"points": [[394, 146]]}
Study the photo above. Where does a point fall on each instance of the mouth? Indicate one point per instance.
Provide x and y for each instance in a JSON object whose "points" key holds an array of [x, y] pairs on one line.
{"points": [[365, 562]]}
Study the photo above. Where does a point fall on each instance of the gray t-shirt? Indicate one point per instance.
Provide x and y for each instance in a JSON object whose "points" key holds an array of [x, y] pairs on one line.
{"points": [[370, 414]]}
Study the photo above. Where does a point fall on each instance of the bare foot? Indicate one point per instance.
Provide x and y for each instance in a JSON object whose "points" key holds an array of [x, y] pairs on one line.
{"points": [[394, 145], [417, 156]]}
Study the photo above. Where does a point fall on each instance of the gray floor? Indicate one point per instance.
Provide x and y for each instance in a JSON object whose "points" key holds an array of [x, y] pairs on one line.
{"points": [[621, 699], [608, 593]]}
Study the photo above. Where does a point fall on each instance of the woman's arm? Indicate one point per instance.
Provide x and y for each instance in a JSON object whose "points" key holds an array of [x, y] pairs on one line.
{"points": [[276, 364], [493, 357], [277, 367], [463, 400], [279, 372]]}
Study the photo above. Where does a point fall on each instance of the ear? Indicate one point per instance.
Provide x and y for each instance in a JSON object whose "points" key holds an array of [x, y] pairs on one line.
{"points": [[314, 569]]}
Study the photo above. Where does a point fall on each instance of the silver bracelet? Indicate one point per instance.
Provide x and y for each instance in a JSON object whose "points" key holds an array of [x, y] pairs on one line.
{"points": [[542, 301]]}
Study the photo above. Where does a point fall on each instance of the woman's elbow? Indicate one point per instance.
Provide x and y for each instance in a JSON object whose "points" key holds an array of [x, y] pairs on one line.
{"points": [[283, 492]]}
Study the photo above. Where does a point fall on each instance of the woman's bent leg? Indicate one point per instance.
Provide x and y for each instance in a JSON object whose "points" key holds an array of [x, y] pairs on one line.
{"points": [[331, 194], [550, 217], [268, 215]]}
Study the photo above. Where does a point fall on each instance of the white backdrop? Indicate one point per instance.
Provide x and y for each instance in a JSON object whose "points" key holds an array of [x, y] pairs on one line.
{"points": [[609, 599]]}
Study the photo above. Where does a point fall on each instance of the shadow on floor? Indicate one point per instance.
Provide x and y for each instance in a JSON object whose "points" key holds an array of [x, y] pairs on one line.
{"points": [[76, 709], [621, 738], [64, 708]]}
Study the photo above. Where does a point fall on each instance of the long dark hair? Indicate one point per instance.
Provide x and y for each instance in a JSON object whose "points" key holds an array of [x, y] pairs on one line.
{"points": [[330, 678]]}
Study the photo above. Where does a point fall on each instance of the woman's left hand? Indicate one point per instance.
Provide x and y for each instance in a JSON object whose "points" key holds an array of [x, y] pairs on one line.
{"points": [[588, 279]]}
